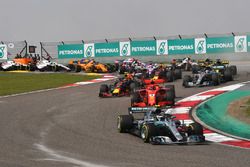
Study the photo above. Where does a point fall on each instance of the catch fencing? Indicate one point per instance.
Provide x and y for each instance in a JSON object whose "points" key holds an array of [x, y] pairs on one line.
{"points": [[156, 48], [13, 49]]}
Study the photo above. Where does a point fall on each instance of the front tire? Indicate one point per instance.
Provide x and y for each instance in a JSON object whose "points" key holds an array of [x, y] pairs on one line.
{"points": [[148, 131], [103, 89], [55, 68], [124, 123], [186, 80]]}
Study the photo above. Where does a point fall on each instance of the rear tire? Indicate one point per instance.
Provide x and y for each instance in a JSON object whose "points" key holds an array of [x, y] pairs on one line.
{"points": [[172, 88], [132, 87], [77, 68], [215, 79], [178, 73], [122, 70], [136, 98], [162, 75], [31, 67], [170, 76], [124, 123], [228, 74], [195, 129], [233, 69], [170, 96]]}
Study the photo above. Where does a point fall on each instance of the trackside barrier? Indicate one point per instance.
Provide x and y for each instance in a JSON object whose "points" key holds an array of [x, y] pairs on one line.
{"points": [[11, 49]]}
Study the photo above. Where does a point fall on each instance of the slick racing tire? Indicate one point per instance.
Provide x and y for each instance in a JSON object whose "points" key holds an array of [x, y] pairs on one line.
{"points": [[124, 123], [177, 73], [122, 70], [77, 68], [148, 131], [55, 68], [170, 76], [103, 89], [72, 67], [172, 89], [228, 75], [195, 129], [136, 98], [215, 79], [186, 80], [31, 67], [170, 96], [132, 87], [233, 70], [162, 75]]}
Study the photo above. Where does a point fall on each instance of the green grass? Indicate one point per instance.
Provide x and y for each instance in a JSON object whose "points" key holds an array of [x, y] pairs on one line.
{"points": [[12, 83]]}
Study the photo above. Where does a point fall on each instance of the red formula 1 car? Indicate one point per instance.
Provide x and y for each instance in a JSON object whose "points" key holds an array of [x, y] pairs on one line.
{"points": [[154, 94]]}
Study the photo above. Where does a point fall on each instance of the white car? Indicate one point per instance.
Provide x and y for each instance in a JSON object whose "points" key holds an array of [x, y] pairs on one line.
{"points": [[45, 65]]}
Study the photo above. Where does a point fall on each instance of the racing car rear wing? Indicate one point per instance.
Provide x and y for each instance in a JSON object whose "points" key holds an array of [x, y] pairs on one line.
{"points": [[153, 81]]}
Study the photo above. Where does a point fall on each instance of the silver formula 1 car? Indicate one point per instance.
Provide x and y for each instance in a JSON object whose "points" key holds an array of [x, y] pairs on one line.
{"points": [[158, 127]]}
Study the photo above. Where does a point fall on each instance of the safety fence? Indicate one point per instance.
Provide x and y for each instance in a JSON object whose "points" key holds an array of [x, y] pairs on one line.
{"points": [[215, 45], [12, 49], [175, 45]]}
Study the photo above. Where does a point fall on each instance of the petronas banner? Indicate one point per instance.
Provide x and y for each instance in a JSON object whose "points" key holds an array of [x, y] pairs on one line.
{"points": [[220, 45], [143, 48], [181, 46], [226, 44], [107, 49], [70, 51]]}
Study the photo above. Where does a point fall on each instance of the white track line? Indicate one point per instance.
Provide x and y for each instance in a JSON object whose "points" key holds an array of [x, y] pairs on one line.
{"points": [[37, 91], [56, 156]]}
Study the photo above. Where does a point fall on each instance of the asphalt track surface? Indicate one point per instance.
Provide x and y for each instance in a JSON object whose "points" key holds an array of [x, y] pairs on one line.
{"points": [[73, 127]]}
